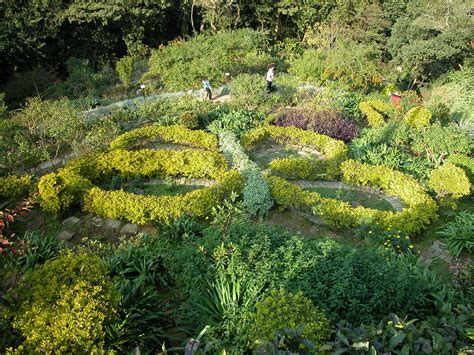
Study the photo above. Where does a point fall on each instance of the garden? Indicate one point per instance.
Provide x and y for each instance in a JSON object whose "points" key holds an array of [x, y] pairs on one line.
{"points": [[334, 215]]}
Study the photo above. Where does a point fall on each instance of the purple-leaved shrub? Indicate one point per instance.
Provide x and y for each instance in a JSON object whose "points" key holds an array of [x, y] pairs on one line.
{"points": [[328, 122]]}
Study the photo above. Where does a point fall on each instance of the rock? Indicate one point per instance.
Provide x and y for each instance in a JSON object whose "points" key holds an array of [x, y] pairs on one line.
{"points": [[65, 236], [148, 229], [71, 221], [113, 224], [97, 221], [129, 229]]}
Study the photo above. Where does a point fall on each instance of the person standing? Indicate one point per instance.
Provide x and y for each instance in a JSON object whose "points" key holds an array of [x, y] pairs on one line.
{"points": [[207, 88], [270, 75]]}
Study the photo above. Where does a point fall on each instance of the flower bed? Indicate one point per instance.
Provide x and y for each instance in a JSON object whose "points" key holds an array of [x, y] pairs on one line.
{"points": [[334, 151], [420, 211]]}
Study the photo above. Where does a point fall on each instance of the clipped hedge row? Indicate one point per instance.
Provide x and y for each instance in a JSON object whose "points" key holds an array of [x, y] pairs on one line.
{"points": [[145, 209], [178, 134], [64, 188], [420, 211], [15, 186], [335, 152], [191, 163], [374, 110]]}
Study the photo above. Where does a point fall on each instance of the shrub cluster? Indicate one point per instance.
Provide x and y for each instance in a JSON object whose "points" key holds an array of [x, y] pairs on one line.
{"points": [[419, 213], [257, 200], [329, 123], [465, 162], [282, 310], [178, 134], [183, 64], [334, 151], [67, 313], [418, 116], [449, 180], [15, 186], [375, 111]]}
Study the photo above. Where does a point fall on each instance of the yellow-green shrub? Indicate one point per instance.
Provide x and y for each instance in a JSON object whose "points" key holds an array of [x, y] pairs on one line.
{"points": [[63, 306], [418, 116], [282, 310], [58, 191], [464, 162], [190, 163], [335, 151], [419, 212], [178, 134], [15, 186], [145, 209], [375, 110], [449, 180]]}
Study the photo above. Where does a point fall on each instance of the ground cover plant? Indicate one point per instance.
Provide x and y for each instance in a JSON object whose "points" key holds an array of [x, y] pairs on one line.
{"points": [[330, 213]]}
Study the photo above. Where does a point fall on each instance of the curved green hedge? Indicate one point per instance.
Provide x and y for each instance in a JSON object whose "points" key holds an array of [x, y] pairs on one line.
{"points": [[145, 209], [76, 183], [420, 210], [178, 134], [335, 152]]}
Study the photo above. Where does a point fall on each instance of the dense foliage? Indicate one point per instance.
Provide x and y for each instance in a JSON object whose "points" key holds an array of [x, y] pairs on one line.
{"points": [[329, 123], [135, 216]]}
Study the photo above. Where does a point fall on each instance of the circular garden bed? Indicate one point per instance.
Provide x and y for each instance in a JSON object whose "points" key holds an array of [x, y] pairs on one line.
{"points": [[78, 182]]}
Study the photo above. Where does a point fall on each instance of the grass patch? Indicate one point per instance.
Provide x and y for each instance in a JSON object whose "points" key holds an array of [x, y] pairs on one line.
{"points": [[354, 197], [264, 155]]}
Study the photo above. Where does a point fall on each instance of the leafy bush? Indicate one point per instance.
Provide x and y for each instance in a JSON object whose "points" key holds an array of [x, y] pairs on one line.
{"points": [[465, 162], [376, 111], [249, 92], [67, 313], [350, 63], [330, 123], [124, 68], [15, 186], [178, 134], [98, 138], [449, 180], [233, 120], [459, 233], [281, 310], [334, 151], [436, 142], [452, 94], [182, 65], [256, 195], [58, 191], [418, 116]]}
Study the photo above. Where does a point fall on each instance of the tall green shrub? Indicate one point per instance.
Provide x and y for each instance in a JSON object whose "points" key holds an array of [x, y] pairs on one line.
{"points": [[124, 69]]}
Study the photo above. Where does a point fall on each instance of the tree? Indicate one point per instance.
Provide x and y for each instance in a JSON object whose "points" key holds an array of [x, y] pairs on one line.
{"points": [[432, 37]]}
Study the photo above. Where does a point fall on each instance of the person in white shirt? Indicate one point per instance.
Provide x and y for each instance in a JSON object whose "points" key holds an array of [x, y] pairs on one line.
{"points": [[207, 87], [270, 75]]}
